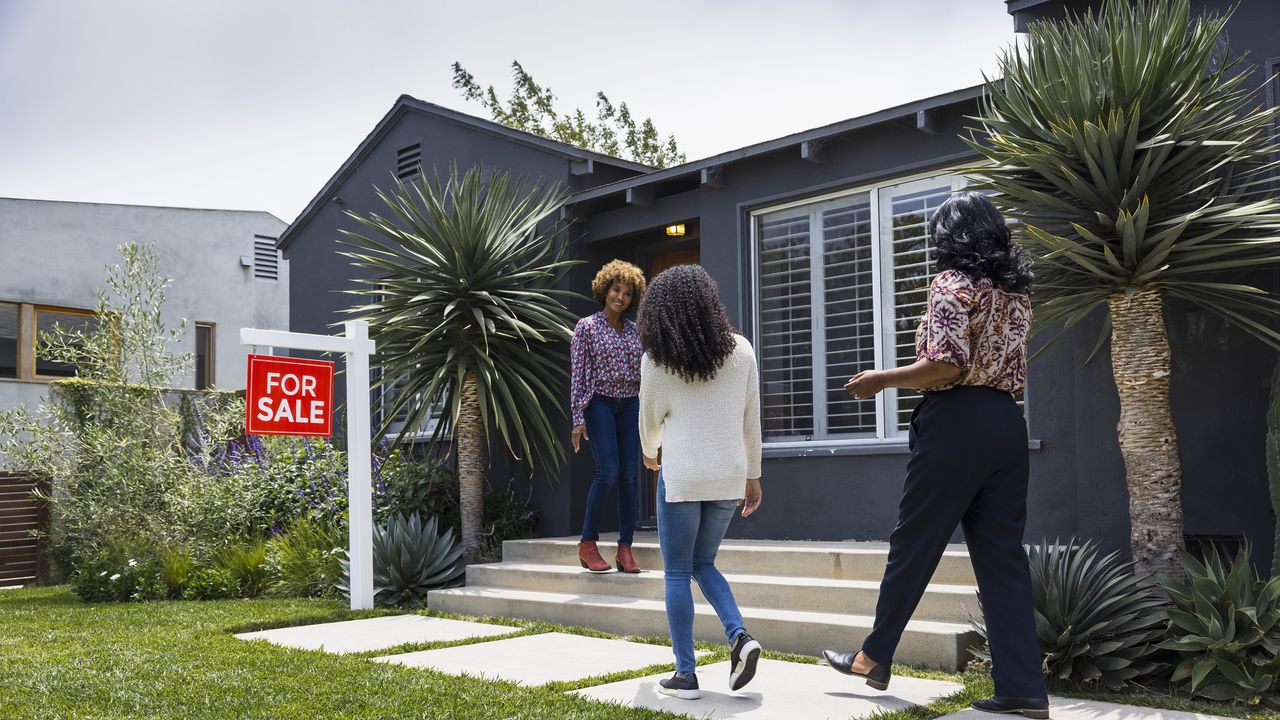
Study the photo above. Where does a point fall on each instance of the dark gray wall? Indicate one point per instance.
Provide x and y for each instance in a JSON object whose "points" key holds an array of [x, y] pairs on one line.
{"points": [[1221, 377], [320, 275]]}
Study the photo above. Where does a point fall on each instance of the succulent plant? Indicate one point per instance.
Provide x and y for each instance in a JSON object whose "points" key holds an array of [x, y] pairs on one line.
{"points": [[1226, 625], [410, 557], [1097, 623]]}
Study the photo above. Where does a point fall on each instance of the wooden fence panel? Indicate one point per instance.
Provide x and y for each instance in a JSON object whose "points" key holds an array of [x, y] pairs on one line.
{"points": [[21, 557]]}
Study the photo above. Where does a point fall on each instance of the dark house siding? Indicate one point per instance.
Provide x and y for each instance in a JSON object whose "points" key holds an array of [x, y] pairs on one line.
{"points": [[1220, 376]]}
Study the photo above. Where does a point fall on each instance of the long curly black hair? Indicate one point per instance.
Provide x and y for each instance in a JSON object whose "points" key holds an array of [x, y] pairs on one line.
{"points": [[971, 237], [683, 325]]}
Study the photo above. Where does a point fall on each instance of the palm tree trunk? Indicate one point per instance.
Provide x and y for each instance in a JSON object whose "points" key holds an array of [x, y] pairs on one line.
{"points": [[470, 430], [1140, 363]]}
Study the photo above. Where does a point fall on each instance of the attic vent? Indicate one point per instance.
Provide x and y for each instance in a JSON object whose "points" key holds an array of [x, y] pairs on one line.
{"points": [[266, 258], [407, 161]]}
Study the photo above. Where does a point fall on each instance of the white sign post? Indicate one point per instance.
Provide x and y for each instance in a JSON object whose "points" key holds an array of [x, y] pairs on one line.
{"points": [[355, 344]]}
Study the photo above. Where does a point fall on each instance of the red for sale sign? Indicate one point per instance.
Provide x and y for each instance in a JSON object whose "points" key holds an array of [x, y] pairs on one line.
{"points": [[289, 396]]}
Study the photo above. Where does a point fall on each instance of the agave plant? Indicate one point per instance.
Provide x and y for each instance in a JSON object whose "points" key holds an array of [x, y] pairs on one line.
{"points": [[409, 558], [1137, 159], [1226, 626], [464, 307], [1096, 621]]}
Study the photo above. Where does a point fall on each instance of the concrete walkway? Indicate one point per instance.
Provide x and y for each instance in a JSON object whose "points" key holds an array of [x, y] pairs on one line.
{"points": [[780, 690]]}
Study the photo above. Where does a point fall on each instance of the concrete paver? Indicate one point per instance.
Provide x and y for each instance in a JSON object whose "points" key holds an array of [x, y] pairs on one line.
{"points": [[376, 633], [538, 659], [780, 690], [1069, 709]]}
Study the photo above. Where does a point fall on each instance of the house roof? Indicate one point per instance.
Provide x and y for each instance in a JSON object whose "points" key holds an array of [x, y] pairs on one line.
{"points": [[795, 139], [407, 104], [1014, 6]]}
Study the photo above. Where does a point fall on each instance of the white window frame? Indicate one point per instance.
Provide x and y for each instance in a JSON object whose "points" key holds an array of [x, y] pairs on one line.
{"points": [[381, 410], [887, 401]]}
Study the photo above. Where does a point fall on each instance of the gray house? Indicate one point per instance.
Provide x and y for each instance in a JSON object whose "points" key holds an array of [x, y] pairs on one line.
{"points": [[230, 275], [815, 240]]}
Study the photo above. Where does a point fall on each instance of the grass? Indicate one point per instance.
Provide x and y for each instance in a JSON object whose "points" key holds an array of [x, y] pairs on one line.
{"points": [[66, 659]]}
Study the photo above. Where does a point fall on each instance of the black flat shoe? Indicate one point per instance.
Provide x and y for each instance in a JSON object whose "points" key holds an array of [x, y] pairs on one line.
{"points": [[878, 678], [1035, 708]]}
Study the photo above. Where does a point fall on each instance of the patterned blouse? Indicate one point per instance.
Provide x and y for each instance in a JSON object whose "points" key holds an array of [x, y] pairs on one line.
{"points": [[977, 327], [605, 361]]}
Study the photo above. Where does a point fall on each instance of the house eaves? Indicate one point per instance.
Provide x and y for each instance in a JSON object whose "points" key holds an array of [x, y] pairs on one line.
{"points": [[1013, 6], [797, 139], [406, 104]]}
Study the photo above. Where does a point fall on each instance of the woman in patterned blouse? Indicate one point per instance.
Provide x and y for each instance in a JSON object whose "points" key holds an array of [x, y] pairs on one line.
{"points": [[606, 384], [969, 462]]}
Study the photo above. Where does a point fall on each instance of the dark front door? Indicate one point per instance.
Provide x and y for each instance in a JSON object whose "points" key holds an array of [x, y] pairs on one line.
{"points": [[657, 262]]}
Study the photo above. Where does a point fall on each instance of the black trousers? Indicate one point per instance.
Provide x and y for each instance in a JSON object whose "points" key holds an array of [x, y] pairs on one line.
{"points": [[968, 466]]}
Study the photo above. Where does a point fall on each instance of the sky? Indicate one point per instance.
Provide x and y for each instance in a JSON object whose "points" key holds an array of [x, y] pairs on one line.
{"points": [[254, 104]]}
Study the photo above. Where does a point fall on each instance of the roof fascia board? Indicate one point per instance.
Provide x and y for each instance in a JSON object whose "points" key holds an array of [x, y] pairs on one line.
{"points": [[844, 126]]}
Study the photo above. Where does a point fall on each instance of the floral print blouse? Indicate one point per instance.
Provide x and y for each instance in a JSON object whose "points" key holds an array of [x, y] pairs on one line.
{"points": [[605, 362], [977, 327]]}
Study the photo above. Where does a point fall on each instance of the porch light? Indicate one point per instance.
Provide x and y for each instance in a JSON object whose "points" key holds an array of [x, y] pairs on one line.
{"points": [[675, 230]]}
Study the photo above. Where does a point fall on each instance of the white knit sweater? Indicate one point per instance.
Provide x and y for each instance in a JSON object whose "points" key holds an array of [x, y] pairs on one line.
{"points": [[709, 432]]}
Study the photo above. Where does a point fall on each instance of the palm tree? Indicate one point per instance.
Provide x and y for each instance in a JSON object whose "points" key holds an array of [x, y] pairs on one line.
{"points": [[1137, 158], [462, 303]]}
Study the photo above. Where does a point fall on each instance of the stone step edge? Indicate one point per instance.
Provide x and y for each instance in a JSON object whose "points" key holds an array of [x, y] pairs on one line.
{"points": [[852, 547], [797, 580], [931, 627]]}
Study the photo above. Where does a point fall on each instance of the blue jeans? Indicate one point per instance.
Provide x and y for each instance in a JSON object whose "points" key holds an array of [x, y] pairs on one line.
{"points": [[690, 534], [613, 434]]}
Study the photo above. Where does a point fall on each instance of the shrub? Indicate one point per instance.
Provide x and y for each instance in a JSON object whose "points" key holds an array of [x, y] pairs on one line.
{"points": [[409, 558], [1096, 621], [304, 560], [108, 578], [210, 583], [1226, 628], [175, 571], [246, 564]]}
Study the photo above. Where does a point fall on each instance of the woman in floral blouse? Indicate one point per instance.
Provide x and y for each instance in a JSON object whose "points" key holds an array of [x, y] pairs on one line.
{"points": [[606, 384], [969, 462]]}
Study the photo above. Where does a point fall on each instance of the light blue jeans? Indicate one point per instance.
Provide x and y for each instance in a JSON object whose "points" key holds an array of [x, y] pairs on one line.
{"points": [[690, 534]]}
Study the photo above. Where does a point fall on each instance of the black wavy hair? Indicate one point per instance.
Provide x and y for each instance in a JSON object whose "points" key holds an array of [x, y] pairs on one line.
{"points": [[683, 325], [971, 237]]}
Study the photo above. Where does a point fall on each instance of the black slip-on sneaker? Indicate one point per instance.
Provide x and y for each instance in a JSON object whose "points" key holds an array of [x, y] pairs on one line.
{"points": [[684, 687], [742, 665], [1034, 708]]}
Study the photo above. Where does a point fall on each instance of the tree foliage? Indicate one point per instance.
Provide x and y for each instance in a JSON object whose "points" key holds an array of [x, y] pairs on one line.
{"points": [[531, 108]]}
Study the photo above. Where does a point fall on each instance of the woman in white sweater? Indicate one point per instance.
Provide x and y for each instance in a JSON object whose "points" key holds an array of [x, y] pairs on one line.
{"points": [[700, 428]]}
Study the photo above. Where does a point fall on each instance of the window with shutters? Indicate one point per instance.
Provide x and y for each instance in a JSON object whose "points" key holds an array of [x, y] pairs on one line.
{"points": [[841, 281], [266, 258]]}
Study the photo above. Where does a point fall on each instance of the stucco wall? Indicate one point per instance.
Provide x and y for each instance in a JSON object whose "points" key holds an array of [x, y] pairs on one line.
{"points": [[55, 253]]}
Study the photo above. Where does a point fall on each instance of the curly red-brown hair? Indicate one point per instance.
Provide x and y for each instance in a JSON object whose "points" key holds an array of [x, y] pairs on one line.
{"points": [[618, 271]]}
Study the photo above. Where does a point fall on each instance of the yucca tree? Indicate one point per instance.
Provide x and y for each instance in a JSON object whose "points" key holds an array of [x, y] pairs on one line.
{"points": [[463, 305], [1135, 153]]}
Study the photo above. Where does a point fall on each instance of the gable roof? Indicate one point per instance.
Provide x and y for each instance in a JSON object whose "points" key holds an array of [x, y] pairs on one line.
{"points": [[407, 104]]}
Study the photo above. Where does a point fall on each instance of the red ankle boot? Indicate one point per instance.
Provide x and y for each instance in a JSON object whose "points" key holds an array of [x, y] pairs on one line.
{"points": [[626, 562], [589, 556]]}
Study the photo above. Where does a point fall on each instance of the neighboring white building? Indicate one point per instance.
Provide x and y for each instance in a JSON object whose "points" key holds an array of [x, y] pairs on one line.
{"points": [[227, 274]]}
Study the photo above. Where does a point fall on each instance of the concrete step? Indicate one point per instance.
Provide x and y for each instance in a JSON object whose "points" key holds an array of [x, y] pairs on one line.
{"points": [[945, 603], [925, 643], [834, 560]]}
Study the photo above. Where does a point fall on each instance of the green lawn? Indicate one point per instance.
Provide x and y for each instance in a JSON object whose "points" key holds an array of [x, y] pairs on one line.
{"points": [[61, 658]]}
